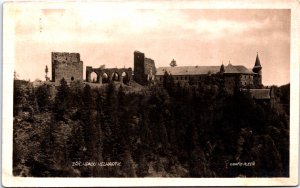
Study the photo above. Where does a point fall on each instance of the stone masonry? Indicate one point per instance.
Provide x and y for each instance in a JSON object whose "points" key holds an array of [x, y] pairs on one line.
{"points": [[144, 68], [108, 75], [67, 66]]}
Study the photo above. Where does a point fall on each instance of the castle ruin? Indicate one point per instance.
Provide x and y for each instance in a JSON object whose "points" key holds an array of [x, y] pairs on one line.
{"points": [[123, 75], [144, 68], [70, 67], [66, 65]]}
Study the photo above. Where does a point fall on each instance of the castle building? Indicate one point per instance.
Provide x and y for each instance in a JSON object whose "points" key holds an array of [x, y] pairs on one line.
{"points": [[233, 75], [66, 65]]}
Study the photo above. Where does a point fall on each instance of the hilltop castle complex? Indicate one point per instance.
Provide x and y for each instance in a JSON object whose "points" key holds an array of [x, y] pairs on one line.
{"points": [[70, 67]]}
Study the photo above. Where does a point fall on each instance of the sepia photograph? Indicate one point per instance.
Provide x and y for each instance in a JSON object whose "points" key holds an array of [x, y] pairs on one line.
{"points": [[165, 91]]}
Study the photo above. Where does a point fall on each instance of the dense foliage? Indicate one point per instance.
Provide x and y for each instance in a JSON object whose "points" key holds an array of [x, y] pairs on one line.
{"points": [[195, 130]]}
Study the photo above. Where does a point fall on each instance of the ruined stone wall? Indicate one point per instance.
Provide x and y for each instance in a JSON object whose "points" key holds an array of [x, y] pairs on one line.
{"points": [[109, 74], [149, 69], [144, 68], [67, 66], [139, 71]]}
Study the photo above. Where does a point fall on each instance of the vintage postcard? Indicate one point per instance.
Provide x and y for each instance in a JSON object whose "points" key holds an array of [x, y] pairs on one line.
{"points": [[150, 93]]}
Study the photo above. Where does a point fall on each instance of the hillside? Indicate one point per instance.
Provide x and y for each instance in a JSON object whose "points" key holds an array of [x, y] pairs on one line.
{"points": [[153, 131]]}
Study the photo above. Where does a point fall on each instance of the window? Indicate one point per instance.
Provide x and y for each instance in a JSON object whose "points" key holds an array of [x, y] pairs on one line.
{"points": [[72, 78]]}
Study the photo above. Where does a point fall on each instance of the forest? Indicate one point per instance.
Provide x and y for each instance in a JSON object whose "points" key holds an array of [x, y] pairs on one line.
{"points": [[197, 130]]}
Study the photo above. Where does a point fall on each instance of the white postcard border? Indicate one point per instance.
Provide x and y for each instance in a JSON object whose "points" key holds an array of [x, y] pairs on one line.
{"points": [[7, 122]]}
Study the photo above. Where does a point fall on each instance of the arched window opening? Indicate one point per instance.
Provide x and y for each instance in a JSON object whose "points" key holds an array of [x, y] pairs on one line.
{"points": [[125, 77], [94, 77], [104, 78], [115, 77]]}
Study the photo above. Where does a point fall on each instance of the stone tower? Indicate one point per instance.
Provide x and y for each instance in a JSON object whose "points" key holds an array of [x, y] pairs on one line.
{"points": [[67, 66], [139, 67], [257, 79], [144, 68]]}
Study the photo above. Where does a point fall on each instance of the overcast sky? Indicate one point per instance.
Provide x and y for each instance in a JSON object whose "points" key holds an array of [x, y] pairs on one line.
{"points": [[109, 36]]}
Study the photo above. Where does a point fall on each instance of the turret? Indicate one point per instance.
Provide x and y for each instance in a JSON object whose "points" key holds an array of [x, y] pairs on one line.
{"points": [[222, 69], [257, 66], [257, 78]]}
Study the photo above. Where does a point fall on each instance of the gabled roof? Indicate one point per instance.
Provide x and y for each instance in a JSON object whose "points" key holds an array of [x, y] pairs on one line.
{"points": [[237, 69], [202, 70]]}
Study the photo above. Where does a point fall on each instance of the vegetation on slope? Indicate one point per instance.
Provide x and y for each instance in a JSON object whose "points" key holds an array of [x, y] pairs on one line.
{"points": [[162, 131]]}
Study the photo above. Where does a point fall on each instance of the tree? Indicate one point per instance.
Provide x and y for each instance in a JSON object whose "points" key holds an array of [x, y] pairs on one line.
{"points": [[24, 96], [76, 88], [43, 97], [112, 147], [168, 82], [173, 63], [15, 75], [46, 71], [61, 100]]}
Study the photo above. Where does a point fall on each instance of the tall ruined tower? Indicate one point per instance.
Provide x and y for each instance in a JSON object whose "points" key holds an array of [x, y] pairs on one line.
{"points": [[144, 68], [139, 67], [67, 66], [257, 79]]}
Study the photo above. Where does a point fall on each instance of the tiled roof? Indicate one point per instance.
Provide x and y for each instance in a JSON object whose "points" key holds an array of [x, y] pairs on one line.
{"points": [[198, 70], [188, 70], [237, 69]]}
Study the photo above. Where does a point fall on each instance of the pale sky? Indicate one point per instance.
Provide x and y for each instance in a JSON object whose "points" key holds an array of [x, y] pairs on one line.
{"points": [[110, 35]]}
